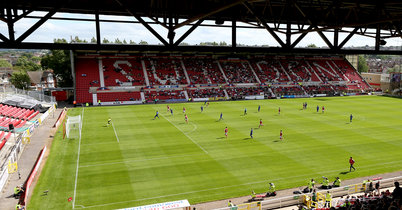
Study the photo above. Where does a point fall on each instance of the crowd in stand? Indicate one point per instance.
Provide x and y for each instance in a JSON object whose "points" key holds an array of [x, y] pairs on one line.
{"points": [[373, 200], [203, 71], [206, 93], [164, 95], [238, 73], [241, 92], [318, 89], [289, 90]]}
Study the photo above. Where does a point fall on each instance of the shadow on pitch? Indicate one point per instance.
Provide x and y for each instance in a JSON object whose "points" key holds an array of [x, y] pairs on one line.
{"points": [[220, 138], [344, 172], [276, 141]]}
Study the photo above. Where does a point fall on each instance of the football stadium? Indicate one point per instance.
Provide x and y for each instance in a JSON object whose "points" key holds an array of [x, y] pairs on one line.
{"points": [[211, 126]]}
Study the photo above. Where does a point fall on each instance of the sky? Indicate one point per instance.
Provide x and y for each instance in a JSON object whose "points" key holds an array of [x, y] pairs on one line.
{"points": [[86, 30]]}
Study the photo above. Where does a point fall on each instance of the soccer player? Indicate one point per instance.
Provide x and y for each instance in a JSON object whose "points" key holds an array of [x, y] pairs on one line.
{"points": [[279, 110], [351, 117], [184, 110], [186, 118], [259, 108], [202, 108], [226, 132], [207, 104], [251, 133], [168, 108], [260, 124], [156, 115], [351, 162], [281, 135], [245, 111], [171, 112], [221, 117], [109, 121], [323, 109], [318, 108]]}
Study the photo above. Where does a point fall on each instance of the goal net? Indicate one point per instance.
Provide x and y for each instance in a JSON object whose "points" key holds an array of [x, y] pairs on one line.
{"points": [[73, 127]]}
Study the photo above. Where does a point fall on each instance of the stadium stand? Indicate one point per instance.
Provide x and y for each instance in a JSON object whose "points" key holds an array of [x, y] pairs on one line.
{"points": [[87, 75], [203, 71], [165, 71], [237, 72], [119, 96], [206, 93], [151, 95], [115, 78]]}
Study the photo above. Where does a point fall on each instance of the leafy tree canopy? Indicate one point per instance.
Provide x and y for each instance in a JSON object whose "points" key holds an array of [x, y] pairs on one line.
{"points": [[5, 64], [362, 64], [20, 80]]}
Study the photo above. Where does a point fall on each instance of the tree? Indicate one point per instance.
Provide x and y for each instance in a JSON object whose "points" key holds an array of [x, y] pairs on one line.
{"points": [[105, 41], [27, 63], [20, 80], [117, 41], [59, 61], [78, 40], [312, 46], [142, 42], [5, 64], [132, 42], [93, 40], [362, 64]]}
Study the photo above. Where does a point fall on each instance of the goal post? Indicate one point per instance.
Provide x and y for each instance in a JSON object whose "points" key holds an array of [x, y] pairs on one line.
{"points": [[73, 127]]}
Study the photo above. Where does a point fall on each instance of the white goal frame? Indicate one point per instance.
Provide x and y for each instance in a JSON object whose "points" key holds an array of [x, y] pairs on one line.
{"points": [[73, 127]]}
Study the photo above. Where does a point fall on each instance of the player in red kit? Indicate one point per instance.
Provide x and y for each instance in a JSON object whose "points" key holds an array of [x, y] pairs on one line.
{"points": [[323, 109], [279, 110], [186, 118], [351, 161], [281, 135], [168, 108], [260, 124], [184, 110], [226, 132]]}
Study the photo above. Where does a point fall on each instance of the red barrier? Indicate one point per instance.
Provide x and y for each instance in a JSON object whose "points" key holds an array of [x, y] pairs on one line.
{"points": [[33, 173], [61, 118]]}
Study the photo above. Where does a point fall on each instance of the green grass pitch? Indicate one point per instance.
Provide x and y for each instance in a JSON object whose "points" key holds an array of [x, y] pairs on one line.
{"points": [[151, 161]]}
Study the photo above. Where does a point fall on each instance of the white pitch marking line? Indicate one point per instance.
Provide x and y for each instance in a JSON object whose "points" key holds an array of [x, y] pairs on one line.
{"points": [[185, 134], [130, 161], [78, 160], [218, 188], [115, 133], [194, 127]]}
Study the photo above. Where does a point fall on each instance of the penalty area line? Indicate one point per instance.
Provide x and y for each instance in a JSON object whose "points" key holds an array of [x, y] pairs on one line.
{"points": [[115, 133]]}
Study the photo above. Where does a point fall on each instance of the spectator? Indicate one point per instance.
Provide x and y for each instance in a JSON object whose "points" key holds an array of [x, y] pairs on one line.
{"points": [[397, 193]]}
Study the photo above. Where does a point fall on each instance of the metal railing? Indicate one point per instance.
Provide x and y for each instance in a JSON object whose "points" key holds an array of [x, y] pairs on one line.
{"points": [[37, 95]]}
